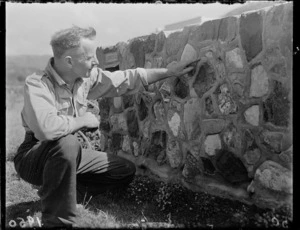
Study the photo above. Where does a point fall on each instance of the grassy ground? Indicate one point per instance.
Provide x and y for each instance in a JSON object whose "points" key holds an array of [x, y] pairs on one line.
{"points": [[145, 203]]}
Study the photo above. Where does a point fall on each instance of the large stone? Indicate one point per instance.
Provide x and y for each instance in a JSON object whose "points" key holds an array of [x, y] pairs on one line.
{"points": [[207, 31], [208, 166], [212, 144], [227, 29], [128, 100], [259, 82], [251, 34], [213, 126], [181, 88], [192, 113], [287, 156], [225, 102], [277, 107], [231, 167], [137, 49], [149, 44], [204, 80], [234, 60], [174, 122], [273, 23], [176, 41], [118, 122], [272, 140], [160, 41], [252, 156], [252, 115], [189, 53], [127, 59], [174, 153], [272, 176], [132, 123]]}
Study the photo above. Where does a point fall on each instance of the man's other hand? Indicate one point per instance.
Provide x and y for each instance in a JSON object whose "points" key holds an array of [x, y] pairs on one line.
{"points": [[90, 120]]}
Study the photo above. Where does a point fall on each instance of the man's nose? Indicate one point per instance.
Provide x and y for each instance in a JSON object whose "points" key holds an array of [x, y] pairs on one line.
{"points": [[95, 61]]}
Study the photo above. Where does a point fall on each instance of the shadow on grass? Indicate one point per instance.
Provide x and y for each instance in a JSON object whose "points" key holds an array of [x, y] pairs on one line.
{"points": [[22, 210]]}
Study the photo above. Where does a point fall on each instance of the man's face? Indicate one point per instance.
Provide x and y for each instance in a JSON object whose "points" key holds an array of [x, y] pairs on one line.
{"points": [[84, 58]]}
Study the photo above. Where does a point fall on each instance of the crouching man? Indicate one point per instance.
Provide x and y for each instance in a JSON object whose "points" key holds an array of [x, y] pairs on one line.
{"points": [[55, 104]]}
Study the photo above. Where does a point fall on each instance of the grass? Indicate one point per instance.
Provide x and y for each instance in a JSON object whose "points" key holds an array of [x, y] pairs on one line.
{"points": [[146, 203]]}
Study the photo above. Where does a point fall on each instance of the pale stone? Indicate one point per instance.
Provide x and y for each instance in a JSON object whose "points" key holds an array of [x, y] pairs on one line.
{"points": [[259, 82], [126, 144], [233, 59], [273, 176], [174, 123], [252, 156], [174, 153], [145, 128], [212, 143], [192, 114], [118, 122], [135, 148], [189, 53], [252, 115], [118, 102]]}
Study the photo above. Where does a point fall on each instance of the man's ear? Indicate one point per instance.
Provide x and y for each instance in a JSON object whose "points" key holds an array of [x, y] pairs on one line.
{"points": [[68, 60]]}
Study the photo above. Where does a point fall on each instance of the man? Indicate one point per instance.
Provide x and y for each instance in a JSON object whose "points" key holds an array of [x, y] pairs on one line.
{"points": [[55, 104]]}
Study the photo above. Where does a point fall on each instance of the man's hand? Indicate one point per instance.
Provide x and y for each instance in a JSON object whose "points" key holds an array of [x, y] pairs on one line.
{"points": [[174, 70], [181, 68], [90, 120]]}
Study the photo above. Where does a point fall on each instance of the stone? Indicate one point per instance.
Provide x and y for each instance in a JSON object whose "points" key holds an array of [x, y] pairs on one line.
{"points": [[132, 124], [234, 60], [138, 52], [204, 80], [188, 54], [116, 141], [192, 167], [174, 153], [209, 108], [208, 166], [213, 126], [273, 23], [159, 111], [181, 88], [287, 156], [272, 176], [149, 44], [174, 122], [238, 89], [252, 115], [252, 156], [259, 82], [142, 110], [127, 61], [207, 31], [145, 128], [148, 65], [175, 41], [126, 144], [104, 106], [277, 107], [212, 143], [157, 62], [231, 167], [135, 149], [118, 103], [192, 114], [225, 102], [232, 138], [128, 100], [227, 29], [272, 140], [102, 142], [104, 125], [165, 90], [251, 34], [160, 41], [118, 122]]}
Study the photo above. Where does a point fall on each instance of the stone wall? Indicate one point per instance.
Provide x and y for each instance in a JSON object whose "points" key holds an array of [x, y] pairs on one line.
{"points": [[226, 128]]}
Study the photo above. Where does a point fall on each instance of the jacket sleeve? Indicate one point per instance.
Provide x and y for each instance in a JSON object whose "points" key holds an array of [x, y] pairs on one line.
{"points": [[40, 113], [115, 84]]}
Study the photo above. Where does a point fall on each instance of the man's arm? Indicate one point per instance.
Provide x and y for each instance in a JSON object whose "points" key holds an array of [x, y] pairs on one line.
{"points": [[41, 116]]}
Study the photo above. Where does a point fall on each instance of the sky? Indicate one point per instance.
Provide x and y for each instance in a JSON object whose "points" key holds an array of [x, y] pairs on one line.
{"points": [[29, 27]]}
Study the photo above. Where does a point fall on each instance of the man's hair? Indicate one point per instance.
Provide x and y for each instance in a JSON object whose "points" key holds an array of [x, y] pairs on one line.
{"points": [[69, 38]]}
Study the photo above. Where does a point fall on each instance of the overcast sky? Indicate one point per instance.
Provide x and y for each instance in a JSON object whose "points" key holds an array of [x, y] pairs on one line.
{"points": [[29, 27]]}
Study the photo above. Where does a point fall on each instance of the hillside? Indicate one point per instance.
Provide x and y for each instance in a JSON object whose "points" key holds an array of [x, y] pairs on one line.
{"points": [[19, 67]]}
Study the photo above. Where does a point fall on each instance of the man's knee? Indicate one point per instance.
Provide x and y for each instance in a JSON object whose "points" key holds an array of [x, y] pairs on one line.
{"points": [[70, 147]]}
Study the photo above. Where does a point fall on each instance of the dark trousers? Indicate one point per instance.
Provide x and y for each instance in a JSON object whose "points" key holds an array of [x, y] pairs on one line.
{"points": [[61, 166]]}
